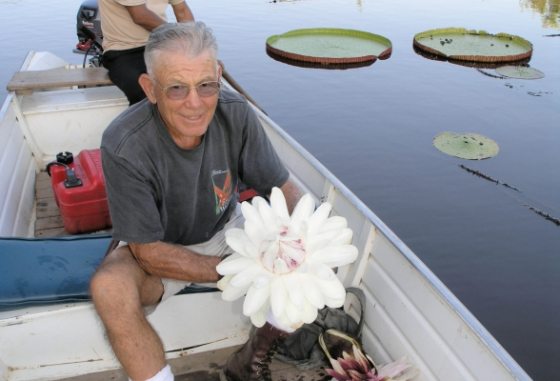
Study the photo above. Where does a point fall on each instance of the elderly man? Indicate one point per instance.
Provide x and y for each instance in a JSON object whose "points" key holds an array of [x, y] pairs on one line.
{"points": [[172, 163]]}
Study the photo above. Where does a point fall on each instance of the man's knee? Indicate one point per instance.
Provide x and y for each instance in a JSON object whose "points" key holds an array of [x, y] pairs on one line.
{"points": [[115, 277]]}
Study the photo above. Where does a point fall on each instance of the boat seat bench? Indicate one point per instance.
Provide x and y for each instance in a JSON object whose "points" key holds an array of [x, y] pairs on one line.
{"points": [[29, 81], [53, 270]]}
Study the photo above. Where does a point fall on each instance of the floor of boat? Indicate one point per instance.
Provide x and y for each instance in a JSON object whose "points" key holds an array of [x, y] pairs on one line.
{"points": [[206, 367], [48, 221]]}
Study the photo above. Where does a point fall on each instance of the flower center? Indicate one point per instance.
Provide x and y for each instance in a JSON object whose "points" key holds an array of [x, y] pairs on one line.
{"points": [[282, 254]]}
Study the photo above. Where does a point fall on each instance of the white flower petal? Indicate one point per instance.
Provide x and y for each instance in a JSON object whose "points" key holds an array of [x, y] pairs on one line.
{"points": [[233, 293], [223, 283], [278, 296], [302, 212], [344, 237], [321, 271], [232, 265], [293, 313], [333, 223], [312, 292], [278, 204], [332, 291], [256, 296], [250, 213], [256, 233], [334, 256], [309, 313], [268, 217], [259, 318], [334, 302], [239, 242], [246, 277], [319, 217], [294, 288], [333, 237]]}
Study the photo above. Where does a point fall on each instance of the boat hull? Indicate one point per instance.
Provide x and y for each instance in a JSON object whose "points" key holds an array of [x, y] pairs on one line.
{"points": [[408, 312]]}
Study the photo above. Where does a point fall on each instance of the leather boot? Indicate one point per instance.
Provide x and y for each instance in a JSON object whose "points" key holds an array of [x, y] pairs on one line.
{"points": [[250, 362]]}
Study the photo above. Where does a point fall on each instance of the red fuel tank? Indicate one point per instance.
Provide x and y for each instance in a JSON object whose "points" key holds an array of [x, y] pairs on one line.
{"points": [[79, 191]]}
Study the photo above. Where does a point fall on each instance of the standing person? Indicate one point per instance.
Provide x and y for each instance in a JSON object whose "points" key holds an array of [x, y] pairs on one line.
{"points": [[126, 25], [172, 163]]}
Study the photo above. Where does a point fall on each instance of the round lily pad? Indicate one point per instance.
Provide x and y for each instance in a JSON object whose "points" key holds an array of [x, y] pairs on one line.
{"points": [[520, 72], [468, 146], [329, 46], [473, 46]]}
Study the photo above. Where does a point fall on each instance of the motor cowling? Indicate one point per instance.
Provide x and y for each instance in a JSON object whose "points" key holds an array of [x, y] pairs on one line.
{"points": [[88, 26]]}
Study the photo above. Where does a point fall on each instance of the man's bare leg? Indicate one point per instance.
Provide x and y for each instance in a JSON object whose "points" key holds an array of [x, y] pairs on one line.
{"points": [[120, 289]]}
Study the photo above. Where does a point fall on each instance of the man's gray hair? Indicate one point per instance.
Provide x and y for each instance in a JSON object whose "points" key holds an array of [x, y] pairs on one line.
{"points": [[191, 38]]}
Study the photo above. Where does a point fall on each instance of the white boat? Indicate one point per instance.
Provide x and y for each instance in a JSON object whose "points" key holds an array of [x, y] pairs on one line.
{"points": [[408, 311]]}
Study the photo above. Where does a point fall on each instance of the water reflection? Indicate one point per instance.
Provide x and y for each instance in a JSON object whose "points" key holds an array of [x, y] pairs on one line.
{"points": [[319, 65], [549, 9]]}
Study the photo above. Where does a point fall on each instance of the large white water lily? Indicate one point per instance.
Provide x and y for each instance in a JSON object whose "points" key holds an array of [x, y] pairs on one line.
{"points": [[283, 264]]}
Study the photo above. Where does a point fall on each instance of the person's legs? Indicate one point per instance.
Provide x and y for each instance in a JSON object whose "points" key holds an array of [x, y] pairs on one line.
{"points": [[125, 67], [120, 289]]}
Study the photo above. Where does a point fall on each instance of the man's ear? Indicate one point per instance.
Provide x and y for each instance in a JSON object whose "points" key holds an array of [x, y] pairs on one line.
{"points": [[148, 86]]}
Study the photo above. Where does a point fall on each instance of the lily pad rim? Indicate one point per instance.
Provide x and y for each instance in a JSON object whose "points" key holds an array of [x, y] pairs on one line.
{"points": [[270, 41]]}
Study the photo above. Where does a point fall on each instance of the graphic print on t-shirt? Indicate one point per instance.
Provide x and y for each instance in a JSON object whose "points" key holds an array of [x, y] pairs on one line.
{"points": [[221, 180]]}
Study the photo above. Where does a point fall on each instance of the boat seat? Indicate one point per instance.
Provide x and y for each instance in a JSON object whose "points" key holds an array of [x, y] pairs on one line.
{"points": [[29, 81], [43, 271], [49, 270]]}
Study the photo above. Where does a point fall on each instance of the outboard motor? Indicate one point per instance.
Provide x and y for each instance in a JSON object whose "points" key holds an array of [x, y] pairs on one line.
{"points": [[88, 27]]}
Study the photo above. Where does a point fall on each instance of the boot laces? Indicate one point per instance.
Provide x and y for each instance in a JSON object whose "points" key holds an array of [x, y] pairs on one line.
{"points": [[263, 369]]}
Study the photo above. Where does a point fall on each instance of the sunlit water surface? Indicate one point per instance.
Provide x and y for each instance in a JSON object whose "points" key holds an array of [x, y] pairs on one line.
{"points": [[373, 128]]}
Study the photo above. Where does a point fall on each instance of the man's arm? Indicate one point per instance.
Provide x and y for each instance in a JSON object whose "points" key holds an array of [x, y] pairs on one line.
{"points": [[182, 12], [175, 262], [292, 193], [144, 17]]}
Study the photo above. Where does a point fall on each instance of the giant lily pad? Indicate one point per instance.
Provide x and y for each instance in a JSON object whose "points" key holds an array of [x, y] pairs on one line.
{"points": [[520, 72], [466, 146], [329, 46], [473, 46]]}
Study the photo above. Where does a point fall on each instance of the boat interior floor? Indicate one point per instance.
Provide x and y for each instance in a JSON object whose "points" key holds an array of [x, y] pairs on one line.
{"points": [[206, 367]]}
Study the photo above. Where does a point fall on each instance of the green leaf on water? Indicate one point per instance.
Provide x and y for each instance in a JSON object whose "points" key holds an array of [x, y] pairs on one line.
{"points": [[461, 44], [520, 72], [468, 146]]}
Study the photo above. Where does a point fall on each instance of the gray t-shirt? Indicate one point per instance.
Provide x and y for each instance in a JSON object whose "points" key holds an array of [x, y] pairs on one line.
{"points": [[158, 191]]}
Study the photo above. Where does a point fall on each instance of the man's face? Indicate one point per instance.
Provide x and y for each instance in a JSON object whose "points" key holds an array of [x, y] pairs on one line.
{"points": [[186, 119]]}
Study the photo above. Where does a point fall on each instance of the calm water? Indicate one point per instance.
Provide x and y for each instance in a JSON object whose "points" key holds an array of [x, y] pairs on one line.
{"points": [[373, 128]]}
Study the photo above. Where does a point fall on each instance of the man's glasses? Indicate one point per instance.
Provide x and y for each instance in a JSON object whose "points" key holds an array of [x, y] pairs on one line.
{"points": [[178, 92]]}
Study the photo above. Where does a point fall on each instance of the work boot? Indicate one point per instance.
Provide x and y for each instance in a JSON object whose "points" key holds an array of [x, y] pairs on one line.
{"points": [[250, 362]]}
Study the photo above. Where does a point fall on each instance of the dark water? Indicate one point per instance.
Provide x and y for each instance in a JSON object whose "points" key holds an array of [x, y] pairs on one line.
{"points": [[373, 128]]}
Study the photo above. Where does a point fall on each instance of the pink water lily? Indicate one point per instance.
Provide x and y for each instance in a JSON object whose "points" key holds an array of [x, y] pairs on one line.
{"points": [[283, 263], [360, 367]]}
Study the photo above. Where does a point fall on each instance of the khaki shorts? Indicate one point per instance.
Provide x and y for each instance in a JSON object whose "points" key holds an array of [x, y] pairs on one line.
{"points": [[216, 246]]}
